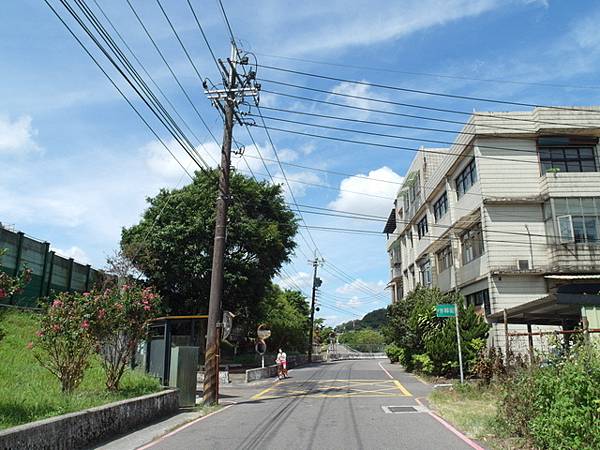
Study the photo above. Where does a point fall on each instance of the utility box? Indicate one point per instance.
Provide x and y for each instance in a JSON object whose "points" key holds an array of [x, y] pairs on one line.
{"points": [[183, 374]]}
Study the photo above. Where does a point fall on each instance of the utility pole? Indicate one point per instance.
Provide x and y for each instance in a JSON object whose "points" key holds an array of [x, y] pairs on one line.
{"points": [[316, 283], [236, 87]]}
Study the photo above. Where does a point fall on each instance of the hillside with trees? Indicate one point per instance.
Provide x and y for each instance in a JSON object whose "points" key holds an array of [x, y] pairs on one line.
{"points": [[374, 320]]}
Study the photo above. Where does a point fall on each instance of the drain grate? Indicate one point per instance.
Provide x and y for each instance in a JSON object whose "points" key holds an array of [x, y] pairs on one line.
{"points": [[404, 409]]}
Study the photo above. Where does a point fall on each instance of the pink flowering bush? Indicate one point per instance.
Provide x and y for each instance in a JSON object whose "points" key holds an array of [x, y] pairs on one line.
{"points": [[119, 324], [64, 342], [111, 322], [13, 285]]}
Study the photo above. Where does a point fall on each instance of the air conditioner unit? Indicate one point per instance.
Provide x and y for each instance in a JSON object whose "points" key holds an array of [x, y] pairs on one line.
{"points": [[523, 264]]}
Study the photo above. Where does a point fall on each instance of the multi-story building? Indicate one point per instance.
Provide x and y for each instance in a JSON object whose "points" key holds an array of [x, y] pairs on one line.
{"points": [[506, 215]]}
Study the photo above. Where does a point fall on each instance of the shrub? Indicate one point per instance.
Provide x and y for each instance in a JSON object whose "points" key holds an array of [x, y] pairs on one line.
{"points": [[414, 327], [119, 324], [422, 363], [556, 406], [394, 353], [64, 342]]}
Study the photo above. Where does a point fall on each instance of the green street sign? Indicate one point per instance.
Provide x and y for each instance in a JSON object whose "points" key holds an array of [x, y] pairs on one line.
{"points": [[445, 310]]}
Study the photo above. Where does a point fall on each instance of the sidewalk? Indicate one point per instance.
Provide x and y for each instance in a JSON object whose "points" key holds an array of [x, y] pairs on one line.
{"points": [[230, 395]]}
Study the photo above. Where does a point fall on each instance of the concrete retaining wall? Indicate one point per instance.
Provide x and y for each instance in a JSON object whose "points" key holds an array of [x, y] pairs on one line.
{"points": [[271, 371], [80, 429]]}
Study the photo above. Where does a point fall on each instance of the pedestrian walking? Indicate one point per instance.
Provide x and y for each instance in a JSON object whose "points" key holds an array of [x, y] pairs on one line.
{"points": [[281, 361]]}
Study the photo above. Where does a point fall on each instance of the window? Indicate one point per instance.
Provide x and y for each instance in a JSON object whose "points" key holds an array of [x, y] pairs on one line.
{"points": [[466, 179], [410, 238], [414, 191], [480, 298], [440, 207], [444, 259], [425, 270], [422, 227], [575, 220], [472, 244], [567, 154]]}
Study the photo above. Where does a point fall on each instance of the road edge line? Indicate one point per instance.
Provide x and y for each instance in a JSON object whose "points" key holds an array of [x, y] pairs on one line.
{"points": [[399, 385], [460, 435], [183, 427]]}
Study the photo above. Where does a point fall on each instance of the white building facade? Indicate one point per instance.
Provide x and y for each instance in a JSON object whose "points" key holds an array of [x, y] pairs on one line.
{"points": [[510, 208]]}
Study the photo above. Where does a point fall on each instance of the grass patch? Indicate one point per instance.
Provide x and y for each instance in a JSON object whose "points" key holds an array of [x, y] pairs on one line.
{"points": [[470, 408], [29, 392]]}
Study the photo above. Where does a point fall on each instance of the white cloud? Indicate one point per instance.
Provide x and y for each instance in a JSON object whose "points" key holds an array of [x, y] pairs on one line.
{"points": [[297, 182], [350, 94], [354, 302], [18, 136], [302, 280], [73, 252], [359, 287], [382, 192]]}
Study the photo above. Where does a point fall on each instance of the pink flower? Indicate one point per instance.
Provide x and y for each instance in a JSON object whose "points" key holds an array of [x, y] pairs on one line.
{"points": [[145, 302], [101, 314], [39, 333], [85, 324], [119, 306], [86, 294], [147, 307], [30, 345], [125, 287], [2, 293], [56, 328], [57, 304]]}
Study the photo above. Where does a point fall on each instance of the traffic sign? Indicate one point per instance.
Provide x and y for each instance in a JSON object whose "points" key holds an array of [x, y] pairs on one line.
{"points": [[445, 310]]}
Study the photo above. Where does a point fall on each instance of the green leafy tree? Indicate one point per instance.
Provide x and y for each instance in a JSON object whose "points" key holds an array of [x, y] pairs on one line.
{"points": [[363, 340], [428, 342], [173, 243], [286, 314]]}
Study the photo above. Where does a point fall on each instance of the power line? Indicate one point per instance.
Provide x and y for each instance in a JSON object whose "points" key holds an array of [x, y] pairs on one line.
{"points": [[488, 115], [212, 54], [426, 74], [384, 124], [162, 114], [122, 39], [156, 47], [418, 91], [380, 111], [97, 63], [394, 147], [394, 136]]}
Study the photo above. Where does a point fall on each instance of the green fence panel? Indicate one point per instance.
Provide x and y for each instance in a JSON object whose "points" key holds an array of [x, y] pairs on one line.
{"points": [[51, 273]]}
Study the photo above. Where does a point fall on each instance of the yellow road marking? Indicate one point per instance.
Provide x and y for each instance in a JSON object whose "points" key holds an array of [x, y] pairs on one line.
{"points": [[402, 388], [263, 392], [328, 389]]}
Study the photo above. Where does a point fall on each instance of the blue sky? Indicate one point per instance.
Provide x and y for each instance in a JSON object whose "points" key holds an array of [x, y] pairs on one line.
{"points": [[77, 164]]}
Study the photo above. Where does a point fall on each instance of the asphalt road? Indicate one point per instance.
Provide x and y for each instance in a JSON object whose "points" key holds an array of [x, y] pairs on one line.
{"points": [[337, 405]]}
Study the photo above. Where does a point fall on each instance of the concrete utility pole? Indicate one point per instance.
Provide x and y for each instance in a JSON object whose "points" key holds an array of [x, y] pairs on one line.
{"points": [[316, 283], [226, 100]]}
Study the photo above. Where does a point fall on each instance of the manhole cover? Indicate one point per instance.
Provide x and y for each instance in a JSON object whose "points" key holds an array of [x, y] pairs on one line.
{"points": [[404, 409], [401, 409]]}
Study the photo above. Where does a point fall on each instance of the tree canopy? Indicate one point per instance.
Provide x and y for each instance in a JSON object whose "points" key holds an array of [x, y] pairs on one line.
{"points": [[286, 314], [172, 245], [375, 320]]}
